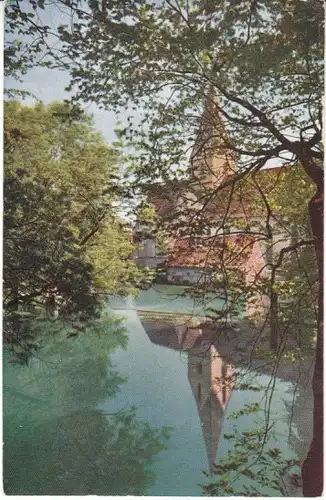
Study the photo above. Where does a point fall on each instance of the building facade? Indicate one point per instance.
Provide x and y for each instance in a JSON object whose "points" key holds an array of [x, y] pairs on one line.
{"points": [[215, 230]]}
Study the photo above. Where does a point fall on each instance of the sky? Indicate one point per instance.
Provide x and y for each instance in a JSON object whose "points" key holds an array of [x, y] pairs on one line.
{"points": [[48, 84]]}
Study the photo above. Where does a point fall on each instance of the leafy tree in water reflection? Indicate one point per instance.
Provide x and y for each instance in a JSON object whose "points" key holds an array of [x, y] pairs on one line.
{"points": [[57, 441]]}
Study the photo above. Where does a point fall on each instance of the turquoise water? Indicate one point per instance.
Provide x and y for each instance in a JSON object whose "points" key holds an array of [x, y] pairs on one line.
{"points": [[170, 298], [86, 416], [161, 391]]}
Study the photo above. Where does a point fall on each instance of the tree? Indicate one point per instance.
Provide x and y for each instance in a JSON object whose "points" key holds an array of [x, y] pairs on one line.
{"points": [[263, 60], [66, 248], [294, 280], [262, 469], [256, 65]]}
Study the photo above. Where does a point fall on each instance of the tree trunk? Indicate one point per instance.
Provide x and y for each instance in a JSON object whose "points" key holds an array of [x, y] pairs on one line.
{"points": [[312, 467]]}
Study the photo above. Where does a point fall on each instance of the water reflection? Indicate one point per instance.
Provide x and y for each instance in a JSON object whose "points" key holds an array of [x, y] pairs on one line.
{"points": [[56, 440], [210, 376], [59, 441]]}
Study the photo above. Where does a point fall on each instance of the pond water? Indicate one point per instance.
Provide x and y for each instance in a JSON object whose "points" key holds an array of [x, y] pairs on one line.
{"points": [[86, 416]]}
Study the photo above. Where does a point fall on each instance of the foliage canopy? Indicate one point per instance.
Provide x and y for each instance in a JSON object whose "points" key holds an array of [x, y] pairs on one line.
{"points": [[66, 247]]}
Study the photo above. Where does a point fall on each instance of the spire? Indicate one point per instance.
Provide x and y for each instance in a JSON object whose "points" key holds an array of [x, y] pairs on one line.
{"points": [[204, 366], [211, 160], [211, 419]]}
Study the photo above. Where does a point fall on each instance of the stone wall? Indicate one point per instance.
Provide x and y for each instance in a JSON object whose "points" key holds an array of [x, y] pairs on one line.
{"points": [[180, 275]]}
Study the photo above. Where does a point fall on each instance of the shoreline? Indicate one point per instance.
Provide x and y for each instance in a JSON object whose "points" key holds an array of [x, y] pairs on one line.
{"points": [[238, 343]]}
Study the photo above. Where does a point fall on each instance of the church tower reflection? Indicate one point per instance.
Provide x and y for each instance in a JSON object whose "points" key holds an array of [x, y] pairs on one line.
{"points": [[210, 376]]}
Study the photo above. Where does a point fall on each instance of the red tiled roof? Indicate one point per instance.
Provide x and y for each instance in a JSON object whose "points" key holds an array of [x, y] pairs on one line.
{"points": [[201, 253], [238, 206], [162, 205], [198, 252]]}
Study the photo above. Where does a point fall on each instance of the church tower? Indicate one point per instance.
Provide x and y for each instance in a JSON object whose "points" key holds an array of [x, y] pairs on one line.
{"points": [[211, 161]]}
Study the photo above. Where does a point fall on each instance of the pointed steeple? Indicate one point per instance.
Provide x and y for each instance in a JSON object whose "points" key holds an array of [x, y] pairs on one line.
{"points": [[204, 367], [211, 418], [211, 160]]}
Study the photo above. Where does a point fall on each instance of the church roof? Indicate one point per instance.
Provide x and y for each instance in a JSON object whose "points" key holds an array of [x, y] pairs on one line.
{"points": [[205, 253]]}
